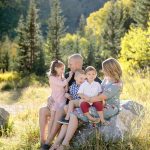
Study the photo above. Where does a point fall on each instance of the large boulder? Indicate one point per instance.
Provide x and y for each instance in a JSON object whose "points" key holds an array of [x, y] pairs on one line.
{"points": [[4, 116], [120, 124]]}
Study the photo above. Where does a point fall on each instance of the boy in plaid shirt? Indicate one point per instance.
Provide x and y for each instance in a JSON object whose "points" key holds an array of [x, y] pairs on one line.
{"points": [[73, 95]]}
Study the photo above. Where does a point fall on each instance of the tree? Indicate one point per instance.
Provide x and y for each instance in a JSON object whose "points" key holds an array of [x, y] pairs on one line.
{"points": [[30, 50], [91, 48], [135, 50], [141, 10], [56, 30], [5, 47], [73, 43], [34, 37], [82, 24], [113, 30], [22, 59]]}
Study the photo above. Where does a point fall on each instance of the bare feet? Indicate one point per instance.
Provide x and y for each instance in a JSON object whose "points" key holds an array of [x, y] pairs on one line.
{"points": [[94, 120], [105, 123]]}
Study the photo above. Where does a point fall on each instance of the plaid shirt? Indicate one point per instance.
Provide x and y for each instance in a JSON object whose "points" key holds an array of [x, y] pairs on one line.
{"points": [[73, 90]]}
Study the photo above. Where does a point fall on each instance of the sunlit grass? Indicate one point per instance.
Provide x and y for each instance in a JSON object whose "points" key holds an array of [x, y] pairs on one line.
{"points": [[25, 135]]}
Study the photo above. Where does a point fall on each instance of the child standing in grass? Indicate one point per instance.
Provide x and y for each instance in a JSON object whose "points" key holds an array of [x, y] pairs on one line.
{"points": [[58, 85]]}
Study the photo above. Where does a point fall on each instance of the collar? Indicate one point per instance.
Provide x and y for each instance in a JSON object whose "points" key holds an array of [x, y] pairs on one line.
{"points": [[89, 83]]}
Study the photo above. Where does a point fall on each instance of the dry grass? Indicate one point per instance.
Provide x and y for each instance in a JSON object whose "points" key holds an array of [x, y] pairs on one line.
{"points": [[25, 133]]}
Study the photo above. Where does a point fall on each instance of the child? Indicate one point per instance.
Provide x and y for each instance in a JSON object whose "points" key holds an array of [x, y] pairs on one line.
{"points": [[88, 90], [58, 84], [73, 96]]}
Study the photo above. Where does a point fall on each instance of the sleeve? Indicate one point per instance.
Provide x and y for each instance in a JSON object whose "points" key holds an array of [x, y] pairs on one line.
{"points": [[112, 90], [81, 89], [53, 80]]}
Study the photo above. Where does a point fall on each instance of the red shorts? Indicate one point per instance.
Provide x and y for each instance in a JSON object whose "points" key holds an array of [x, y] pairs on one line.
{"points": [[85, 106]]}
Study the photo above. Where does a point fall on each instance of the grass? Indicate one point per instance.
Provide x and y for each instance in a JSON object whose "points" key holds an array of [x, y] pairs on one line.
{"points": [[23, 129]]}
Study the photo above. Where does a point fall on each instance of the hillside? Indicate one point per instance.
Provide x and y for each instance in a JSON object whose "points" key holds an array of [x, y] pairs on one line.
{"points": [[10, 12]]}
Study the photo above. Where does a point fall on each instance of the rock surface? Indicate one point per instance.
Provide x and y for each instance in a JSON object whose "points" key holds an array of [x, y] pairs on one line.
{"points": [[120, 124], [4, 116]]}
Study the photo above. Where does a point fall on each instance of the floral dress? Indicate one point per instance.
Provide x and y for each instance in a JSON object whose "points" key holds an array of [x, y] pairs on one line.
{"points": [[112, 91]]}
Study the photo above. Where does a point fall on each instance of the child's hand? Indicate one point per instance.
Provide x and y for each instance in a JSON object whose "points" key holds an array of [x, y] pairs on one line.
{"points": [[70, 74], [80, 101], [66, 88], [86, 98], [50, 102], [67, 95]]}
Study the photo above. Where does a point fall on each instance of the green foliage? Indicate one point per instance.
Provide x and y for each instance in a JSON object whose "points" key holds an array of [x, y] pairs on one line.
{"points": [[56, 30], [30, 51], [113, 30], [35, 40], [11, 10], [82, 24], [9, 15], [141, 11], [135, 50], [73, 43], [22, 58], [5, 54]]}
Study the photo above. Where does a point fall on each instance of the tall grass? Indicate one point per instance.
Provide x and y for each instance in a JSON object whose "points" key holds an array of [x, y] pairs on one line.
{"points": [[26, 129]]}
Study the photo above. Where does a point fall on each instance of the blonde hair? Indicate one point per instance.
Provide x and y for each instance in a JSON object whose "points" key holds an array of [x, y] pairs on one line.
{"points": [[90, 68], [78, 72], [112, 68]]}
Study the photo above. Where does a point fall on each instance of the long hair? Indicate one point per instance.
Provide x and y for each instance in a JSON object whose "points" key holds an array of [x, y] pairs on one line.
{"points": [[55, 64], [112, 68]]}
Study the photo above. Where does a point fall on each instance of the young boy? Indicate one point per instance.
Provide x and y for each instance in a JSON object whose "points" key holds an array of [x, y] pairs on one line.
{"points": [[73, 96], [87, 90]]}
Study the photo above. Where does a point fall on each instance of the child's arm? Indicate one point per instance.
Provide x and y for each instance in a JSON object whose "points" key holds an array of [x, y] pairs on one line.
{"points": [[68, 96], [54, 81], [70, 76], [85, 98], [66, 88]]}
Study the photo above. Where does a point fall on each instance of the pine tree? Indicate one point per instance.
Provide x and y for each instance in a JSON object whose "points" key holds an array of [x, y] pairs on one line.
{"points": [[34, 40], [91, 55], [141, 10], [5, 54], [91, 48], [113, 30], [22, 52], [56, 30], [81, 27]]}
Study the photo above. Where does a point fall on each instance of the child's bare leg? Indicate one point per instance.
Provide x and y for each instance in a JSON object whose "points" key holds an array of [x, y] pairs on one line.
{"points": [[90, 117], [101, 115], [65, 109], [71, 106], [50, 125], [99, 108], [85, 109]]}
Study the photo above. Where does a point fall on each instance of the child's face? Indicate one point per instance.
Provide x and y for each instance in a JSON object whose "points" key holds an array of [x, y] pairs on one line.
{"points": [[80, 79], [60, 70], [91, 75]]}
